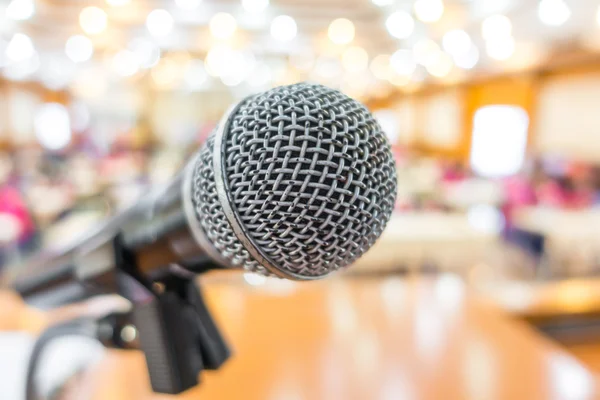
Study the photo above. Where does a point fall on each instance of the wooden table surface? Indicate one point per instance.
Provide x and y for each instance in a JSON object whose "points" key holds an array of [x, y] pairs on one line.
{"points": [[389, 338]]}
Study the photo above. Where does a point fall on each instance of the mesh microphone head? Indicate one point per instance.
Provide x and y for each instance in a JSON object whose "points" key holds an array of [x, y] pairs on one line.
{"points": [[298, 182]]}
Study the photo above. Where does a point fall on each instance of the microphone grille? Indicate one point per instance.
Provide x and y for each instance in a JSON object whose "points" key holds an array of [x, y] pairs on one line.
{"points": [[299, 179]]}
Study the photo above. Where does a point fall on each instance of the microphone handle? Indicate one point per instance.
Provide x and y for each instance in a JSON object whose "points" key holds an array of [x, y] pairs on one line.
{"points": [[155, 232]]}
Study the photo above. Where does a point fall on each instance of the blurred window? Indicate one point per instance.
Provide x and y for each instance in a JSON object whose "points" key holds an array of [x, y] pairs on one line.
{"points": [[568, 117], [499, 140]]}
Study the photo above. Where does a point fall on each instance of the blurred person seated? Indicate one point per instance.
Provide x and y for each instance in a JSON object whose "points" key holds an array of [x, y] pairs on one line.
{"points": [[17, 229]]}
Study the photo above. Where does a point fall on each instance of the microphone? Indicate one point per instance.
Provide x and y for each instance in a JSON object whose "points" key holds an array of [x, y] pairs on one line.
{"points": [[296, 182]]}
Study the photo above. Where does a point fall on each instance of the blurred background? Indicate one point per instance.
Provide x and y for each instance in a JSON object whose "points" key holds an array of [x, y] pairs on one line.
{"points": [[491, 107]]}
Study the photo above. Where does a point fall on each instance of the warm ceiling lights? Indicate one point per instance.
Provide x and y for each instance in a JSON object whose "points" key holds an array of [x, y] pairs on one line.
{"points": [[52, 126], [20, 10], [146, 52], [380, 66], [426, 51], [441, 66], [496, 26], [553, 12], [93, 20], [117, 3], [382, 3], [222, 25], [19, 48], [457, 42], [217, 59], [79, 48], [400, 24], [188, 4], [467, 60], [429, 10], [195, 75], [165, 74], [125, 63], [283, 28], [255, 6], [261, 76], [355, 59], [159, 23], [501, 49], [403, 62], [341, 31]]}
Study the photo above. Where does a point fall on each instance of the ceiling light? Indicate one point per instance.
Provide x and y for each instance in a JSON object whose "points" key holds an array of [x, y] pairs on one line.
{"points": [[195, 75], [501, 49], [429, 10], [341, 31], [382, 3], [22, 69], [90, 83], [159, 23], [238, 68], [327, 67], [57, 73], [52, 126], [400, 24], [188, 4], [19, 48], [93, 20], [441, 66], [426, 51], [79, 48], [403, 62], [283, 28], [165, 74], [146, 52], [222, 25], [303, 60], [496, 26], [467, 60], [457, 42], [380, 67], [255, 6], [355, 59], [218, 59], [20, 10], [553, 12], [125, 63], [118, 3], [399, 80], [261, 76]]}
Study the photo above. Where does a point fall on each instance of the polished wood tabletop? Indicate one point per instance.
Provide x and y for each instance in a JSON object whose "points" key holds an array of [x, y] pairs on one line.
{"points": [[385, 338]]}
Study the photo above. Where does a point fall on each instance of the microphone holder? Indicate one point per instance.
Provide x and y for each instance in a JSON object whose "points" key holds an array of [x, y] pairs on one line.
{"points": [[174, 327], [176, 332], [178, 335], [172, 324]]}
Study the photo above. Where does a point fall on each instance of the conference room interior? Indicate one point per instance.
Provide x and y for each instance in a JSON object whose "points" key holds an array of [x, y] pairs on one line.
{"points": [[485, 283]]}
